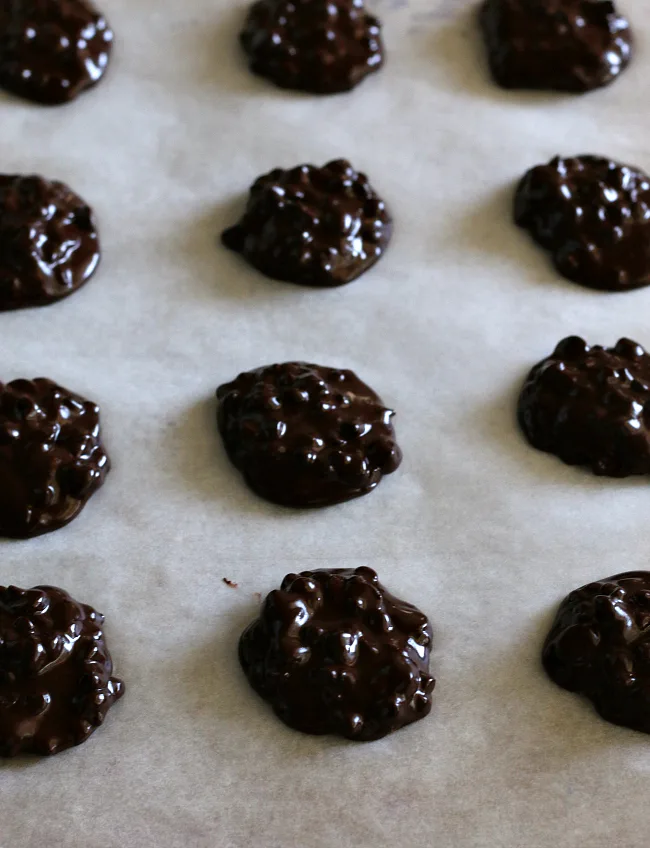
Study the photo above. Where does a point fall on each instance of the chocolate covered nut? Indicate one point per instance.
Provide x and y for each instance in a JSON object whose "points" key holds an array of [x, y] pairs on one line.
{"points": [[56, 682], [313, 226], [48, 242], [591, 406], [51, 50], [593, 216], [319, 46], [51, 456], [334, 652], [599, 646], [565, 45], [304, 435]]}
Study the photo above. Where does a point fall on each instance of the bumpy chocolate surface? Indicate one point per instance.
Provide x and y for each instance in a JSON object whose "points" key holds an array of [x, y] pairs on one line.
{"points": [[593, 216], [48, 242], [565, 45], [334, 652], [305, 435], [56, 682], [51, 456], [319, 46], [599, 646], [591, 406], [51, 50], [312, 226]]}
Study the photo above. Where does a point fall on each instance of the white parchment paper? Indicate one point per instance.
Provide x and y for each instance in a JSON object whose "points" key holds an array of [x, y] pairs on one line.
{"points": [[484, 533]]}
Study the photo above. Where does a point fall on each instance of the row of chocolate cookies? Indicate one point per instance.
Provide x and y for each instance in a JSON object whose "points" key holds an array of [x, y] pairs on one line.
{"points": [[588, 405], [305, 435], [333, 652], [327, 226], [56, 673], [325, 47], [52, 50]]}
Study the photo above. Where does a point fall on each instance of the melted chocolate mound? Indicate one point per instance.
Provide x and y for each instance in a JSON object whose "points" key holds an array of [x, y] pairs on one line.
{"points": [[304, 435], [593, 216], [56, 682], [334, 652], [562, 45], [312, 226], [48, 242], [51, 456], [52, 50], [599, 646], [318, 46], [591, 406]]}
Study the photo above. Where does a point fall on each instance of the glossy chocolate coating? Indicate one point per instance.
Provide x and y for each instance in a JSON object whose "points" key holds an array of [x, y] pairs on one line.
{"points": [[48, 242], [56, 682], [334, 652], [593, 216], [563, 45], [318, 46], [51, 456], [304, 435], [599, 646], [312, 226], [591, 406], [51, 50]]}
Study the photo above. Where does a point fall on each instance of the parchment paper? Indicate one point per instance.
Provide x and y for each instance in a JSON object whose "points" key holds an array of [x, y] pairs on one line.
{"points": [[484, 533]]}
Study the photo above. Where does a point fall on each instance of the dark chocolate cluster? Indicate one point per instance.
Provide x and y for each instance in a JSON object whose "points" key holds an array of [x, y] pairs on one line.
{"points": [[52, 50], [51, 456], [319, 46], [599, 646], [593, 216], [312, 226], [304, 435], [334, 652], [591, 406], [48, 242], [56, 682], [565, 45]]}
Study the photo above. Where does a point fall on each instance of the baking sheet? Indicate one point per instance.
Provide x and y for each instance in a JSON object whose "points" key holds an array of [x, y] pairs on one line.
{"points": [[484, 533]]}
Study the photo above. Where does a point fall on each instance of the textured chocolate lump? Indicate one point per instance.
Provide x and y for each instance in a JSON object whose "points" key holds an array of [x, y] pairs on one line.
{"points": [[52, 50], [599, 646], [334, 652], [51, 456], [56, 674], [304, 435], [591, 406], [562, 45], [312, 226], [48, 242], [593, 216], [318, 46]]}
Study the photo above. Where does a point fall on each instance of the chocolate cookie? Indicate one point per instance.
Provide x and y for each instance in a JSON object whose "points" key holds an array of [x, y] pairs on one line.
{"points": [[304, 435], [565, 45], [334, 652], [56, 682], [319, 46], [599, 646], [313, 226], [593, 216], [51, 50], [48, 242], [51, 456], [591, 406]]}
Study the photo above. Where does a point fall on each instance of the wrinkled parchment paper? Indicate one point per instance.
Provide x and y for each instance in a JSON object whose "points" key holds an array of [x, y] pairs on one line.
{"points": [[484, 533]]}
